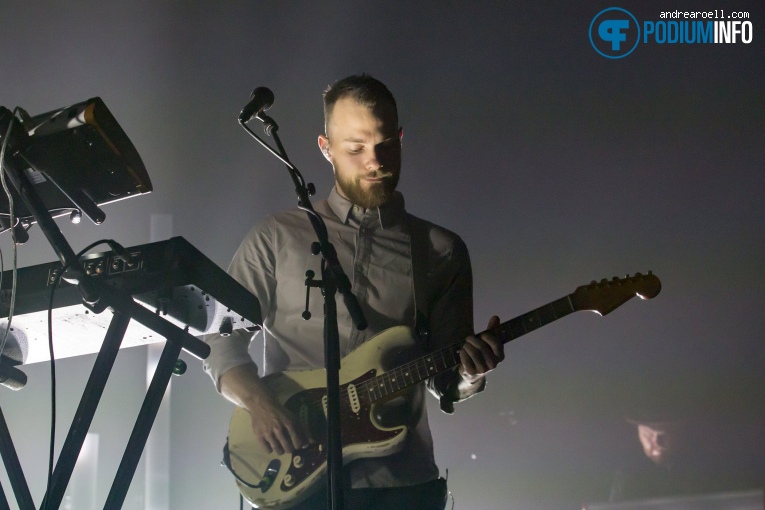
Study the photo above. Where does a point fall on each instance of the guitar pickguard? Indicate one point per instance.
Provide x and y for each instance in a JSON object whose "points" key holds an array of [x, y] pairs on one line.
{"points": [[362, 433]]}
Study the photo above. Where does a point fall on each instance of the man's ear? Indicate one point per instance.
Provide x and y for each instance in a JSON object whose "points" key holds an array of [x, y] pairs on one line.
{"points": [[400, 133], [324, 147]]}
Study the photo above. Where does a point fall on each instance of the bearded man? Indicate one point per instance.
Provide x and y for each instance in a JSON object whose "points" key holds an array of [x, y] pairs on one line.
{"points": [[403, 270]]}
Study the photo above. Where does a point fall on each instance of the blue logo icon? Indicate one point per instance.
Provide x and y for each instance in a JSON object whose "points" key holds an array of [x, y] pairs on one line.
{"points": [[614, 32], [611, 30]]}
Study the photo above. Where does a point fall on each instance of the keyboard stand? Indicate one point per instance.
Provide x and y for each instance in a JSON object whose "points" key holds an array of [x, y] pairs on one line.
{"points": [[98, 296]]}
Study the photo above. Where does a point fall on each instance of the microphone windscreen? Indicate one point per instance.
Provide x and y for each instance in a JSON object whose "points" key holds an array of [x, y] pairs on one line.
{"points": [[263, 97]]}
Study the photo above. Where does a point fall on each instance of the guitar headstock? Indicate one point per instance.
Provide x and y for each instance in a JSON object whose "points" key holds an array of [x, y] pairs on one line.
{"points": [[607, 295]]}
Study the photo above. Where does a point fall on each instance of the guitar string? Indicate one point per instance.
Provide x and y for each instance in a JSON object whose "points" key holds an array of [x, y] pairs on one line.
{"points": [[370, 385], [535, 318], [377, 386], [388, 379]]}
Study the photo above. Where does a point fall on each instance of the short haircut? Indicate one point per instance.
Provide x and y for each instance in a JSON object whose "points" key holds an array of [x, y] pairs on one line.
{"points": [[365, 90]]}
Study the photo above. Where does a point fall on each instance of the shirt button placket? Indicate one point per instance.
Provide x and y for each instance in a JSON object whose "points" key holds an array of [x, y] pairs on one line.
{"points": [[360, 270]]}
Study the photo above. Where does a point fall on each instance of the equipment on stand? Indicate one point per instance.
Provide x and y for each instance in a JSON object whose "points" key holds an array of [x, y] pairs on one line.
{"points": [[170, 277], [76, 159], [69, 162]]}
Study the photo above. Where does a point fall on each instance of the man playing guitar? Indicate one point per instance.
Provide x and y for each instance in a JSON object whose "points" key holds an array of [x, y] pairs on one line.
{"points": [[403, 270]]}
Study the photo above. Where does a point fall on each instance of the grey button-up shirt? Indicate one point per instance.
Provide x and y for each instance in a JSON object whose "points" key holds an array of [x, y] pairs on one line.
{"points": [[374, 249]]}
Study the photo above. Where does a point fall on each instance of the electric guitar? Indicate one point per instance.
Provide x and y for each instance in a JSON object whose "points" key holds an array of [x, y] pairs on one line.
{"points": [[368, 378]]}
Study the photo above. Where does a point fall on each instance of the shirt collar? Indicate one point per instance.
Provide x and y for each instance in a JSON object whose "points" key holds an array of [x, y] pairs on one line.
{"points": [[389, 214]]}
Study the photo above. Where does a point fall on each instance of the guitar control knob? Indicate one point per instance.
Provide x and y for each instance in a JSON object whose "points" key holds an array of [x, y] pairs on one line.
{"points": [[298, 461], [289, 481]]}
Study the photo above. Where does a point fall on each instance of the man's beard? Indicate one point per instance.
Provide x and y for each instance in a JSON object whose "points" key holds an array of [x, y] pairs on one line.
{"points": [[377, 194]]}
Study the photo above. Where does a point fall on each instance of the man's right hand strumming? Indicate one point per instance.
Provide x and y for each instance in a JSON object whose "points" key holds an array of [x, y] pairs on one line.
{"points": [[275, 427]]}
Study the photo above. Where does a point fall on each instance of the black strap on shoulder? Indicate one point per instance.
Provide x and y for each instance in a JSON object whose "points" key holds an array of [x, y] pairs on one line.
{"points": [[419, 243]]}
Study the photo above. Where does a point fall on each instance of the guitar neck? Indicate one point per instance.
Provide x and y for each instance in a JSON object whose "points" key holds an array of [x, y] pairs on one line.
{"points": [[445, 358]]}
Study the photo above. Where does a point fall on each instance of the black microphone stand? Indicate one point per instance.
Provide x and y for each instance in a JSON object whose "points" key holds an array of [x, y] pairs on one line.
{"points": [[333, 279]]}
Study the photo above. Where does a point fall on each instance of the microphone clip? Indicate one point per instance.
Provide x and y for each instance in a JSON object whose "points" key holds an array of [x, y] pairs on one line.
{"points": [[269, 124]]}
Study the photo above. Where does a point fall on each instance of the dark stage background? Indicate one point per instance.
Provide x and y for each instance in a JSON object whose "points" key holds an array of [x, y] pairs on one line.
{"points": [[556, 165]]}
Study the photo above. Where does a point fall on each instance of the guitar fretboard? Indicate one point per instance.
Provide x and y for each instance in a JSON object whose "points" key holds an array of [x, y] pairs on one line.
{"points": [[445, 358]]}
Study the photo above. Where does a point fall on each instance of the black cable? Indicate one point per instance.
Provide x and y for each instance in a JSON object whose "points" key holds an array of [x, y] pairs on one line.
{"points": [[226, 462], [13, 231], [55, 283]]}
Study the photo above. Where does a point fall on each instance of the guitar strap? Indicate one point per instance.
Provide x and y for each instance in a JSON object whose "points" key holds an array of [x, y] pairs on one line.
{"points": [[419, 249]]}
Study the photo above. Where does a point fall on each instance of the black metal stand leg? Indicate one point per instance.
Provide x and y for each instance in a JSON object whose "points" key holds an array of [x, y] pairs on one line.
{"points": [[13, 468], [333, 279], [86, 410], [335, 499], [143, 424], [3, 500]]}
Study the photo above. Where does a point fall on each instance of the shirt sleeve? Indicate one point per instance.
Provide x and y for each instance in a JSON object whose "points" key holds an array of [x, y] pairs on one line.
{"points": [[450, 318], [226, 352], [253, 266]]}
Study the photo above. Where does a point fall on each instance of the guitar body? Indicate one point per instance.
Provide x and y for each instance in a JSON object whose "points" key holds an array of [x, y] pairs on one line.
{"points": [[290, 478], [371, 377]]}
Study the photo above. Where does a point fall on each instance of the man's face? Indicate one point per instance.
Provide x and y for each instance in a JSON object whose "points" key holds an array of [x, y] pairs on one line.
{"points": [[364, 147]]}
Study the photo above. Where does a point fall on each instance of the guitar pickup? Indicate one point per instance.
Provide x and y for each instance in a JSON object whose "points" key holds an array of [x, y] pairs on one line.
{"points": [[353, 398]]}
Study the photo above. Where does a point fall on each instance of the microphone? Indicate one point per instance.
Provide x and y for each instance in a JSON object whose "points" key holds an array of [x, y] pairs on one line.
{"points": [[261, 99]]}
